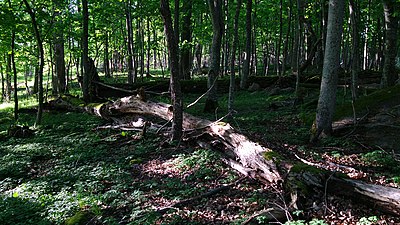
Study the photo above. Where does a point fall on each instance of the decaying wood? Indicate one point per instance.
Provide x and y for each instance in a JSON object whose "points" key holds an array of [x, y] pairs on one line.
{"points": [[251, 159]]}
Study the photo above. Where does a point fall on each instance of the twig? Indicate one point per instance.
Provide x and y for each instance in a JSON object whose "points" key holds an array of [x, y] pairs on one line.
{"points": [[199, 98], [325, 193]]}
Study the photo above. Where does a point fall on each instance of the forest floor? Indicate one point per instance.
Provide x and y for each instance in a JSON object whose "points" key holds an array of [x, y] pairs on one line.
{"points": [[74, 171]]}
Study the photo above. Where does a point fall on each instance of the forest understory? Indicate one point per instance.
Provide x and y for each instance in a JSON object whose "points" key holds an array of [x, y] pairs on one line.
{"points": [[79, 169]]}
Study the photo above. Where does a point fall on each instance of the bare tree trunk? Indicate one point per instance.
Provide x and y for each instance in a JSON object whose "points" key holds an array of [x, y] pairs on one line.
{"points": [[390, 75], [85, 53], [176, 95], [2, 82], [218, 26], [248, 52], [355, 65], [8, 78], [186, 52], [15, 75], [327, 98], [131, 76], [106, 56], [235, 41], [59, 52], [41, 62]]}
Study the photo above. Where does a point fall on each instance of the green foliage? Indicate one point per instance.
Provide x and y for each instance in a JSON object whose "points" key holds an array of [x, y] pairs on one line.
{"points": [[368, 220], [303, 222]]}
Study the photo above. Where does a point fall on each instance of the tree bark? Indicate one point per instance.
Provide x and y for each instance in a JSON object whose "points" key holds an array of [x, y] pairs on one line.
{"points": [[41, 62], [248, 52], [327, 98], [218, 26], [355, 51], [106, 55], [390, 75], [131, 76], [15, 75], [176, 95], [8, 79], [186, 52], [85, 54], [59, 51], [235, 41]]}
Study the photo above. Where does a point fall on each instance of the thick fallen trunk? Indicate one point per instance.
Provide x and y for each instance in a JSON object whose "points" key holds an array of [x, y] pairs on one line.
{"points": [[248, 153], [252, 159]]}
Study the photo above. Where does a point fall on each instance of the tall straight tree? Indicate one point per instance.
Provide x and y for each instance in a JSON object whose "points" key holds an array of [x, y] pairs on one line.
{"points": [[327, 97], [85, 52], [355, 65], [176, 95], [186, 52], [218, 26], [247, 58], [41, 62], [233, 56], [131, 71], [389, 75], [59, 50], [15, 75]]}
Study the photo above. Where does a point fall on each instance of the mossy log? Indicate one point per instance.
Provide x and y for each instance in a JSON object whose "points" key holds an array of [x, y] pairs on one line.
{"points": [[256, 161]]}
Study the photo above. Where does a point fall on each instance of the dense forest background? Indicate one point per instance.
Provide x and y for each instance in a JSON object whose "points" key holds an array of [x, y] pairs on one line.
{"points": [[288, 74]]}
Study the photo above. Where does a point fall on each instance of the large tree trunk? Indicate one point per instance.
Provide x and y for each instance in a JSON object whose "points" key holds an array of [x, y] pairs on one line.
{"points": [[235, 41], [41, 62], [327, 98], [176, 94], [247, 58], [85, 53], [390, 75], [59, 51], [131, 75], [186, 52], [218, 26]]}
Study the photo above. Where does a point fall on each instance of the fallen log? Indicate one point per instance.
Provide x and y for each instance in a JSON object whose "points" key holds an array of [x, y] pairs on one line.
{"points": [[256, 161]]}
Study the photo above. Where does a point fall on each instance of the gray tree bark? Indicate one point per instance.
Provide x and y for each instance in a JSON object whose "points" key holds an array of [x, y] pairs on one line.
{"points": [[85, 53], [233, 56], [390, 75], [176, 95], [327, 97], [246, 63], [41, 62], [131, 72], [218, 26]]}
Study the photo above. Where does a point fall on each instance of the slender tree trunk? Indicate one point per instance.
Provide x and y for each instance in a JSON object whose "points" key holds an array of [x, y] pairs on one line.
{"points": [[15, 75], [59, 52], [129, 43], [355, 65], [286, 43], [327, 98], [248, 52], [176, 95], [106, 56], [8, 78], [85, 54], [278, 48], [41, 62], [235, 41], [186, 52], [148, 47], [2, 82], [390, 75], [218, 26]]}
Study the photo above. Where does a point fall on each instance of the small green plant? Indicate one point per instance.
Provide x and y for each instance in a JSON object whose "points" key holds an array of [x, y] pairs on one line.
{"points": [[368, 220]]}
